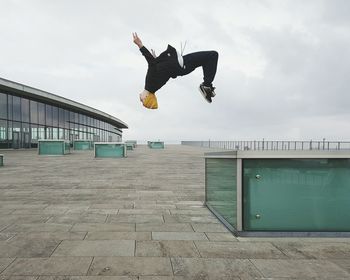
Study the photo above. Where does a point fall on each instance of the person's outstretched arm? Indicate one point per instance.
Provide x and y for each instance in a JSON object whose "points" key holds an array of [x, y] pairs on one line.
{"points": [[149, 57]]}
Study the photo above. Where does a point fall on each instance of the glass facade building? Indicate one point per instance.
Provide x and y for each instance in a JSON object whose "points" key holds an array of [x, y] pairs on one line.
{"points": [[28, 114]]}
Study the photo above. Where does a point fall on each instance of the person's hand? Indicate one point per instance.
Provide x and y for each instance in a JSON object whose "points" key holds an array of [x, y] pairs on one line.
{"points": [[153, 53], [137, 40]]}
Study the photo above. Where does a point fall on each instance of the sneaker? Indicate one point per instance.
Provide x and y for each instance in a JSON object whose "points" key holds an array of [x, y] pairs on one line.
{"points": [[213, 92], [207, 92]]}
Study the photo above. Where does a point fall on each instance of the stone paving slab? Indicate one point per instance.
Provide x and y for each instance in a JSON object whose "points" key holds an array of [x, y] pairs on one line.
{"points": [[88, 278], [153, 205], [178, 236], [49, 266], [6, 212], [27, 248], [19, 277], [16, 206], [202, 268], [24, 219], [39, 211], [75, 218], [190, 219], [165, 227], [35, 227], [300, 268], [6, 235], [101, 235], [238, 250], [101, 248], [115, 205], [221, 236], [343, 263], [165, 278], [70, 235], [315, 250], [143, 211], [166, 249], [209, 228], [194, 212], [123, 218], [103, 227], [4, 262], [93, 211], [130, 266]]}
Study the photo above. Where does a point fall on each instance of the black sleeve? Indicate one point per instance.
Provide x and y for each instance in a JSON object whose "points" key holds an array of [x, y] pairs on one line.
{"points": [[145, 52]]}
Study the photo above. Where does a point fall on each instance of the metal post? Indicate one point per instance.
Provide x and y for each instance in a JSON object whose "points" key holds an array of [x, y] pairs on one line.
{"points": [[239, 195], [263, 143]]}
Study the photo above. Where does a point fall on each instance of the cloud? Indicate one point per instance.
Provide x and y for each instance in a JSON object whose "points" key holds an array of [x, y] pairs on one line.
{"points": [[282, 72]]}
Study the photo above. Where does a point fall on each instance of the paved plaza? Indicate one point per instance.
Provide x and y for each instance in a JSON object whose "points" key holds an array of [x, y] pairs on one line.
{"points": [[140, 217]]}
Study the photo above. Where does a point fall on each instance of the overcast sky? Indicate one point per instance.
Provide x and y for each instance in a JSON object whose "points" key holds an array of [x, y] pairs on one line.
{"points": [[283, 71]]}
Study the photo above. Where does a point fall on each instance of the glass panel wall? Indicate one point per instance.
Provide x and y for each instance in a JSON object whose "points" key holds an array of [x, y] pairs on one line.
{"points": [[221, 188], [16, 108], [33, 111], [25, 110], [41, 113], [3, 106], [23, 122], [3, 134]]}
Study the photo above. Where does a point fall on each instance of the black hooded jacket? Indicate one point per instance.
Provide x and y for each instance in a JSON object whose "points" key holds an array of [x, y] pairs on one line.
{"points": [[161, 68]]}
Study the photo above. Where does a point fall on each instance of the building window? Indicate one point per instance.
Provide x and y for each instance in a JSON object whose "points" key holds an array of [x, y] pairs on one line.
{"points": [[54, 116], [3, 106], [3, 134], [48, 116], [25, 109], [41, 113], [33, 112], [16, 108]]}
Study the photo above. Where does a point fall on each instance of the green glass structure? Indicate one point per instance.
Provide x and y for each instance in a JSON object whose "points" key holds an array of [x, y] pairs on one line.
{"points": [[296, 194], [221, 191], [110, 150], [129, 146], [156, 144], [253, 192], [83, 145], [133, 142], [53, 147]]}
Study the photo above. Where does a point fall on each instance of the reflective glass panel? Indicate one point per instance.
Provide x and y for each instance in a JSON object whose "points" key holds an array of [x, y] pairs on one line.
{"points": [[55, 116], [3, 106], [16, 108], [41, 113], [25, 109], [48, 115], [296, 194], [33, 111], [221, 188], [61, 116]]}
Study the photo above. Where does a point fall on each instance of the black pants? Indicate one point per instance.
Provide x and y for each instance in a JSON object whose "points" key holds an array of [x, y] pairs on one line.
{"points": [[208, 60]]}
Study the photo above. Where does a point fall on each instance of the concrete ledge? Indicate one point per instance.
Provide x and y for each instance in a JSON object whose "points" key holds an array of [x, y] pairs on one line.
{"points": [[280, 154]]}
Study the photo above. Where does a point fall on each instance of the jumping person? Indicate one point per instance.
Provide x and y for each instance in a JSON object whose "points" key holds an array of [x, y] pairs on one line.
{"points": [[170, 64]]}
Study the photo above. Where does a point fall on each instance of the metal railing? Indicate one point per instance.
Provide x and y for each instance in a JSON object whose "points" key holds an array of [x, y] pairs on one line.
{"points": [[271, 145]]}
